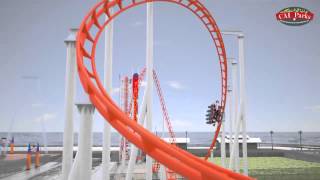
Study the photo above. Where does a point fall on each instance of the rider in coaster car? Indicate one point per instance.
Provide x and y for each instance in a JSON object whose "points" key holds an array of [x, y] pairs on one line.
{"points": [[217, 113]]}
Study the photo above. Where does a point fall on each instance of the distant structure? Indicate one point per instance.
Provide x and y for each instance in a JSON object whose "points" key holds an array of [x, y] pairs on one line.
{"points": [[180, 142], [252, 143], [3, 146]]}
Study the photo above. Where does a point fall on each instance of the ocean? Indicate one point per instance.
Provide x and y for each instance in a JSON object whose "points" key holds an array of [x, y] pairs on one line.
{"points": [[196, 138]]}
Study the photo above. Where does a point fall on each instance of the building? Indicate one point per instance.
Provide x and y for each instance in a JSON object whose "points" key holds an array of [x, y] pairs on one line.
{"points": [[180, 142], [252, 143]]}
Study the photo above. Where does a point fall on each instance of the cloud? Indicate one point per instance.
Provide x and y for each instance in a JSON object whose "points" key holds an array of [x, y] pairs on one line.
{"points": [[176, 85], [315, 108], [46, 117]]}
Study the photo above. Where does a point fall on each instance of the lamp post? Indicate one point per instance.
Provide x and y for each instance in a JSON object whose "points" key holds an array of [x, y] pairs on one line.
{"points": [[187, 140], [271, 133], [300, 135]]}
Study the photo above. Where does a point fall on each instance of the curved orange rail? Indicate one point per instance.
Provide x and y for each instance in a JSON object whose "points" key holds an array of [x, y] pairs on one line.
{"points": [[173, 157]]}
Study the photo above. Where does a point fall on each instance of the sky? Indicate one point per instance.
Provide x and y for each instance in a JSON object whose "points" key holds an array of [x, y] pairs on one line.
{"points": [[282, 62]]}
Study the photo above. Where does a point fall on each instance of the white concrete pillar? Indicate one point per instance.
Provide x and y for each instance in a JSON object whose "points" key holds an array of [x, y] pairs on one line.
{"points": [[81, 169], [70, 85], [108, 86], [75, 170], [212, 156], [236, 143], [234, 157], [240, 116], [162, 173], [243, 103], [132, 161], [149, 80], [133, 148], [236, 118], [230, 120], [223, 143]]}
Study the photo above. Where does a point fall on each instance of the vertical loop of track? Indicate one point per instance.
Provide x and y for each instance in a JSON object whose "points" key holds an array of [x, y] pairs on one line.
{"points": [[174, 158]]}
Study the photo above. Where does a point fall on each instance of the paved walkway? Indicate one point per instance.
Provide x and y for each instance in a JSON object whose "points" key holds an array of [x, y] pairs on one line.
{"points": [[97, 172], [33, 172]]}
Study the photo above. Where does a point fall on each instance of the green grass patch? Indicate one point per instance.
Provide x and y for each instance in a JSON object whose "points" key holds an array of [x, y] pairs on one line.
{"points": [[273, 163], [279, 168]]}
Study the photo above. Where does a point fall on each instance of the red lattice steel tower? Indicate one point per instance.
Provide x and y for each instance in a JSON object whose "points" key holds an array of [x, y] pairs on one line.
{"points": [[125, 103], [135, 94]]}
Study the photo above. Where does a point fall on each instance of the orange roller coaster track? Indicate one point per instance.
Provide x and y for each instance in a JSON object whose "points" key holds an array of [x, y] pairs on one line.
{"points": [[174, 158]]}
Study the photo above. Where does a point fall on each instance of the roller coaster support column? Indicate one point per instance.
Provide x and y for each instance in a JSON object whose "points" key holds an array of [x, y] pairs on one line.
{"points": [[234, 156], [243, 103], [133, 148], [230, 109], [230, 119], [81, 169], [162, 167], [149, 80], [70, 86], [241, 116], [108, 86], [223, 143], [162, 173]]}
